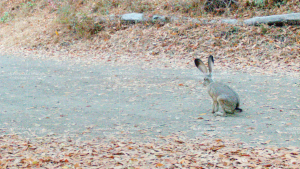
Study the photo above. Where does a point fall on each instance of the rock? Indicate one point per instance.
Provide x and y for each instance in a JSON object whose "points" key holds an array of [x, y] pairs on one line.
{"points": [[230, 21], [219, 6], [113, 17], [292, 19], [195, 21], [133, 17], [213, 21], [160, 18], [65, 44], [98, 20], [278, 20], [174, 19]]}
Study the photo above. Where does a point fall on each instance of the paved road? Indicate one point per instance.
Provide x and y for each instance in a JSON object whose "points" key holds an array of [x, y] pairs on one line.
{"points": [[43, 97]]}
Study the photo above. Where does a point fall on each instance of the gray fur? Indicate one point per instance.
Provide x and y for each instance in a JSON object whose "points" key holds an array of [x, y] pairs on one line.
{"points": [[222, 95]]}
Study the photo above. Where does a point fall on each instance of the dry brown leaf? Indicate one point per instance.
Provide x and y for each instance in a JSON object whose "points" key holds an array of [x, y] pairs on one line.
{"points": [[159, 165], [179, 141], [183, 161], [267, 142], [76, 165]]}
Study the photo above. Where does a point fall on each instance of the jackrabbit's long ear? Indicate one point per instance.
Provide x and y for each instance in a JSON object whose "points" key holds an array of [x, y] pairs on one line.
{"points": [[210, 63], [201, 66]]}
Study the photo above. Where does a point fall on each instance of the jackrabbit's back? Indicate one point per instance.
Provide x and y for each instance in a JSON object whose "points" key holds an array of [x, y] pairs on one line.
{"points": [[216, 89]]}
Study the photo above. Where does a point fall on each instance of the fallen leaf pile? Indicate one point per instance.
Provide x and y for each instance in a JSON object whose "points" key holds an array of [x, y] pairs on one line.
{"points": [[172, 46], [165, 152]]}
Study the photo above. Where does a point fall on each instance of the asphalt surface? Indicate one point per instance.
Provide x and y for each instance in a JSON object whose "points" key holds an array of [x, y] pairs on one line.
{"points": [[63, 98]]}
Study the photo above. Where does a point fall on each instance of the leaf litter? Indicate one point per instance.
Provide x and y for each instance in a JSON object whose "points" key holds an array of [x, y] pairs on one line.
{"points": [[166, 152], [173, 45]]}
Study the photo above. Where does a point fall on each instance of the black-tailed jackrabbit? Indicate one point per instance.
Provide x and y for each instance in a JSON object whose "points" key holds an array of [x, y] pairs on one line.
{"points": [[221, 94]]}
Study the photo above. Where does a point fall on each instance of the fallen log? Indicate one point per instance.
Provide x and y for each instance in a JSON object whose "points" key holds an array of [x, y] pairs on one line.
{"points": [[277, 20]]}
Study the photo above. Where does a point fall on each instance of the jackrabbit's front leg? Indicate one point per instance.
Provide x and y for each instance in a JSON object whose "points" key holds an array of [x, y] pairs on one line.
{"points": [[215, 106], [221, 113]]}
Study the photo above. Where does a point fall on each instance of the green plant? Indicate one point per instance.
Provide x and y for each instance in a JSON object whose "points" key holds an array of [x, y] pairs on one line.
{"points": [[29, 4], [66, 14], [263, 29], [103, 6], [135, 6], [77, 21], [233, 30], [265, 3], [259, 3], [5, 17]]}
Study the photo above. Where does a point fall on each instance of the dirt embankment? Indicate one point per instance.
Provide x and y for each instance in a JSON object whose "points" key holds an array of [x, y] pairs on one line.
{"points": [[67, 30]]}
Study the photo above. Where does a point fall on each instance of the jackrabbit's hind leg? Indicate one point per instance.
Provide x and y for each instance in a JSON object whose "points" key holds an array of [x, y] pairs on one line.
{"points": [[226, 106]]}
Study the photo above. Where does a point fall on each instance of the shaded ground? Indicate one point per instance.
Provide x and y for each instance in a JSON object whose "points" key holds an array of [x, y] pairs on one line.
{"points": [[42, 97]]}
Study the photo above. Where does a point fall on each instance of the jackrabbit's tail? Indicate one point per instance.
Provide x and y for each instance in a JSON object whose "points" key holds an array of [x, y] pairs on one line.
{"points": [[238, 110]]}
